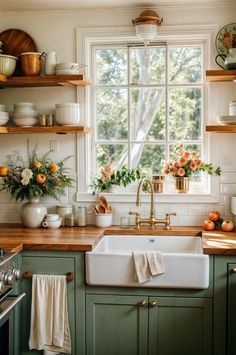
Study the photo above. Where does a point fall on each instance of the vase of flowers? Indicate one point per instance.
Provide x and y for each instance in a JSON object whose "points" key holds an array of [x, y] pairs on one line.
{"points": [[186, 164], [108, 179], [42, 177]]}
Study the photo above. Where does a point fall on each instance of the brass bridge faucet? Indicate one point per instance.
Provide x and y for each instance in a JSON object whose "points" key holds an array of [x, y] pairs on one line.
{"points": [[152, 220]]}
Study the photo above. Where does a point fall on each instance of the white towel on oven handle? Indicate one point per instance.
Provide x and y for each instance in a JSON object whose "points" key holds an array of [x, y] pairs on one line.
{"points": [[49, 330]]}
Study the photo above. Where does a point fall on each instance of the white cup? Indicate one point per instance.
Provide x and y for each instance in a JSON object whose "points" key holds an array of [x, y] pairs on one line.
{"points": [[233, 205], [103, 220], [52, 224], [52, 217]]}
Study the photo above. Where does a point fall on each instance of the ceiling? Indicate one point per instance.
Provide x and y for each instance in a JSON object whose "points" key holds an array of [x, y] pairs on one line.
{"points": [[54, 5]]}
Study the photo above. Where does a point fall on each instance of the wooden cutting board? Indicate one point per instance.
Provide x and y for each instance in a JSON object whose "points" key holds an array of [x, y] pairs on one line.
{"points": [[15, 42]]}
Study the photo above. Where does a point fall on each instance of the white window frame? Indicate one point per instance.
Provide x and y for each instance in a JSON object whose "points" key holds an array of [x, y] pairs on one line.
{"points": [[86, 38]]}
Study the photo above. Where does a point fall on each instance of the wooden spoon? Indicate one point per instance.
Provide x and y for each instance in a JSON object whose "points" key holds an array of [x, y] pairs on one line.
{"points": [[101, 209], [103, 202], [95, 209]]}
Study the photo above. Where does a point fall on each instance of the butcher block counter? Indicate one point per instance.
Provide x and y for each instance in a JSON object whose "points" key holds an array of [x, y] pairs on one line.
{"points": [[17, 238]]}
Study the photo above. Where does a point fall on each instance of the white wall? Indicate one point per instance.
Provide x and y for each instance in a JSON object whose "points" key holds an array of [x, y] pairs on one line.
{"points": [[56, 31]]}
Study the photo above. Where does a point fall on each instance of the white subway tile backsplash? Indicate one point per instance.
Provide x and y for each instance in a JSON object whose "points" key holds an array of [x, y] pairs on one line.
{"points": [[210, 208], [187, 220], [196, 210], [228, 178], [228, 189]]}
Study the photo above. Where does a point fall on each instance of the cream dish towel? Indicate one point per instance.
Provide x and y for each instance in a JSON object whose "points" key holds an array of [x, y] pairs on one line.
{"points": [[141, 266], [155, 262], [49, 329]]}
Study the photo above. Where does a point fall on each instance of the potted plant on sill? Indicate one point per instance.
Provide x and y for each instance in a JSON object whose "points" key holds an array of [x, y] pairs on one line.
{"points": [[109, 178], [187, 164]]}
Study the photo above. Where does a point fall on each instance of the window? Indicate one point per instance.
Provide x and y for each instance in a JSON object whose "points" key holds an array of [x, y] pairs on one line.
{"points": [[147, 100]]}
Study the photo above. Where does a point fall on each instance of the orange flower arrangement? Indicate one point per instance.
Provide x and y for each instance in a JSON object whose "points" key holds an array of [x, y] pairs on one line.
{"points": [[187, 164]]}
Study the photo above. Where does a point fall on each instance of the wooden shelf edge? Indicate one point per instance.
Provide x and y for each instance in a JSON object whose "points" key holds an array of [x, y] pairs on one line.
{"points": [[44, 81], [44, 130], [220, 75], [221, 128]]}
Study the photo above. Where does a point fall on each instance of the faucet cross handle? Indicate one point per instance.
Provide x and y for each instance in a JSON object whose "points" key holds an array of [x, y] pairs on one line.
{"points": [[137, 218], [168, 227]]}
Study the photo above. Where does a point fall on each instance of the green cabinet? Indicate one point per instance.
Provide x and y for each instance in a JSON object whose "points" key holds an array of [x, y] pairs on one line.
{"points": [[56, 263], [225, 305], [140, 325]]}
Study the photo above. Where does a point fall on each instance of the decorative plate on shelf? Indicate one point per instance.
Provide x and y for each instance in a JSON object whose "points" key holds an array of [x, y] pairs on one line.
{"points": [[226, 38]]}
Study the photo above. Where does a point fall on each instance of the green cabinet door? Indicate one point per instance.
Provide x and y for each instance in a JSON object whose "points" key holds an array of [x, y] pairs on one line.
{"points": [[231, 310], [116, 325], [224, 339], [180, 326], [56, 263]]}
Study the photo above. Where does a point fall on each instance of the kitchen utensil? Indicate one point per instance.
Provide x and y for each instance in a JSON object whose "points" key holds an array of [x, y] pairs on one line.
{"points": [[51, 59], [225, 39], [101, 209], [67, 114], [30, 63], [103, 202], [7, 64]]}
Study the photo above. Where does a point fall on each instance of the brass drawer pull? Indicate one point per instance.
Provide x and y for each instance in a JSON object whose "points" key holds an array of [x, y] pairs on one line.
{"points": [[142, 303], [153, 304]]}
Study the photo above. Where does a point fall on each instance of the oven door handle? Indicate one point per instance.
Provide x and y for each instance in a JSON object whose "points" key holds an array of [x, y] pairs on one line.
{"points": [[15, 301]]}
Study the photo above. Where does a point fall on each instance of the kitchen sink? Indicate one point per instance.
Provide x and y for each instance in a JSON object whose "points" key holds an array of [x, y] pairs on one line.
{"points": [[110, 263]]}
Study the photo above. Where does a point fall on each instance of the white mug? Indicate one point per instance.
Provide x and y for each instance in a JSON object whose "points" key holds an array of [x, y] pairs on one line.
{"points": [[52, 224], [52, 217]]}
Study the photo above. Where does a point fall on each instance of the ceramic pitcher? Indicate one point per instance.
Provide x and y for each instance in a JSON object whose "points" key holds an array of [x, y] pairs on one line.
{"points": [[50, 63], [229, 61]]}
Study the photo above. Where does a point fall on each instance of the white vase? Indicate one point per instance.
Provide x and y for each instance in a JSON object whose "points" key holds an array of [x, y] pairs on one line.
{"points": [[33, 213]]}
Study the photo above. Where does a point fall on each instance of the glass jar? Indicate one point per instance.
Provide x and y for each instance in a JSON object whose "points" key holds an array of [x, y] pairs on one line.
{"points": [[81, 216], [63, 210]]}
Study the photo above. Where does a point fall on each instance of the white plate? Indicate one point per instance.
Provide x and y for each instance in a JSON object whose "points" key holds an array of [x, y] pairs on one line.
{"points": [[67, 72]]}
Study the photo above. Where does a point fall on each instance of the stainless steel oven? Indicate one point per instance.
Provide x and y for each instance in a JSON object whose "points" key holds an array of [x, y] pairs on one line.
{"points": [[9, 275]]}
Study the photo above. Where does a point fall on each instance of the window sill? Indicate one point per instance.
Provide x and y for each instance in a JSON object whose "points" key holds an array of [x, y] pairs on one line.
{"points": [[158, 198]]}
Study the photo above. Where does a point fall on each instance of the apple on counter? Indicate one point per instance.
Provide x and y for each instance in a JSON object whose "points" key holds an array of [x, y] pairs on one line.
{"points": [[215, 222]]}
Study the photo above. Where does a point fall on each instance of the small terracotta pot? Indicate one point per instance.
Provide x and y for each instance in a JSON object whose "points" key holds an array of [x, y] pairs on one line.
{"points": [[30, 63]]}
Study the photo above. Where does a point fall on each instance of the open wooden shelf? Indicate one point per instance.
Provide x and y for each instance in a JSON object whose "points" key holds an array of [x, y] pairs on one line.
{"points": [[221, 128], [43, 81], [47, 129], [220, 75]]}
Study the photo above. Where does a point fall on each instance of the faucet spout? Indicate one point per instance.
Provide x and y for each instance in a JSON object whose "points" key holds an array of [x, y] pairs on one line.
{"points": [[138, 198]]}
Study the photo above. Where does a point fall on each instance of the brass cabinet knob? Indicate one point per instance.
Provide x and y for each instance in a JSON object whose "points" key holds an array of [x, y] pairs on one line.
{"points": [[233, 270], [142, 303], [152, 303]]}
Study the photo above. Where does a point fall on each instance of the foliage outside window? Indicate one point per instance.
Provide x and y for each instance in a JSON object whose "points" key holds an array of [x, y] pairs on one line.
{"points": [[147, 100]]}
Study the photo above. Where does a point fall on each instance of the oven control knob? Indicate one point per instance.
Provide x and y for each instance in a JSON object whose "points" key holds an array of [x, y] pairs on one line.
{"points": [[8, 278], [1, 286], [16, 273]]}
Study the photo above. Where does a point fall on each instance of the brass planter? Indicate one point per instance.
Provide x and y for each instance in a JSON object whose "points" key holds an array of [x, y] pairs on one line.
{"points": [[181, 184]]}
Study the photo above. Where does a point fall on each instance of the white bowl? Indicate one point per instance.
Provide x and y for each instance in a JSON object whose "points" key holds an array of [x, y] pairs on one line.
{"points": [[25, 115], [67, 114], [29, 105], [67, 72], [3, 121], [7, 64], [25, 122], [52, 217], [103, 220]]}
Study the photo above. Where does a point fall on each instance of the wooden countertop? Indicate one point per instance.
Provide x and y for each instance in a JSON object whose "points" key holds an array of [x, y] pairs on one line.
{"points": [[17, 238]]}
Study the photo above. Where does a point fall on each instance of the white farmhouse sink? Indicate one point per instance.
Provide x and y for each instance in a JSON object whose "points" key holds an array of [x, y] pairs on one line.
{"points": [[111, 262]]}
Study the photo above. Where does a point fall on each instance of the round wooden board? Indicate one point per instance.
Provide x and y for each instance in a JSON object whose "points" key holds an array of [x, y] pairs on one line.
{"points": [[16, 42]]}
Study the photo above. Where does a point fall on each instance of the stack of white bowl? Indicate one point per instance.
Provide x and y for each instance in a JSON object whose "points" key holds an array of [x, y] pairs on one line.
{"points": [[231, 118], [4, 115], [67, 114], [25, 114]]}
